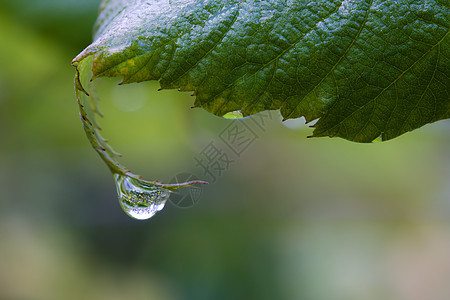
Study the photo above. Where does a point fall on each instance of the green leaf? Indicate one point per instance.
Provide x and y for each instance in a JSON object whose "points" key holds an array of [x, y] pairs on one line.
{"points": [[366, 69]]}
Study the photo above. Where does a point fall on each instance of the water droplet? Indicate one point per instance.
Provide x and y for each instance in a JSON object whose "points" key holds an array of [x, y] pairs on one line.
{"points": [[140, 200], [237, 114]]}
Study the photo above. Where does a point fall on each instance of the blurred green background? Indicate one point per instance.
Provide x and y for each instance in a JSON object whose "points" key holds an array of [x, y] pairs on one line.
{"points": [[292, 218]]}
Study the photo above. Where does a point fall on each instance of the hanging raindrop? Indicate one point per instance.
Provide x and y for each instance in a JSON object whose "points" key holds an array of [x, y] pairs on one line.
{"points": [[139, 199]]}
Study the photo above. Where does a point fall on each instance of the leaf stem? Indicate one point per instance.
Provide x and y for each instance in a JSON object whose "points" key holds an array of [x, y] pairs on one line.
{"points": [[88, 107]]}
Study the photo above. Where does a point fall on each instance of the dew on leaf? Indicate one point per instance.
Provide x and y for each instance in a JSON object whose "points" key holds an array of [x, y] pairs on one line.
{"points": [[237, 114], [138, 199]]}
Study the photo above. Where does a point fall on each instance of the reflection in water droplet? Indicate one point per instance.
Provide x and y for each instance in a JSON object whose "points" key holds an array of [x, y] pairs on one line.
{"points": [[237, 114], [139, 199]]}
